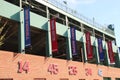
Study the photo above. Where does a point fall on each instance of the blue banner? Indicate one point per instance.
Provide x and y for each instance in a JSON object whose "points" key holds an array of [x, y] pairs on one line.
{"points": [[119, 50], [100, 50], [73, 40], [27, 26]]}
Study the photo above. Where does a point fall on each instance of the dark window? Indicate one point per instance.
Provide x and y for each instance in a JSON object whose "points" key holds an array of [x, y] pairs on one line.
{"points": [[64, 79], [39, 78], [117, 79], [106, 78], [6, 79]]}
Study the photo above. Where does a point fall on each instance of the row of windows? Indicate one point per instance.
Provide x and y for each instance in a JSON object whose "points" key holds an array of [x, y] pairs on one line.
{"points": [[105, 78]]}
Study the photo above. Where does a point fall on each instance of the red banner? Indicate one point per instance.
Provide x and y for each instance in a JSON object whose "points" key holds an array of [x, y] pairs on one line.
{"points": [[88, 46], [53, 35], [110, 52]]}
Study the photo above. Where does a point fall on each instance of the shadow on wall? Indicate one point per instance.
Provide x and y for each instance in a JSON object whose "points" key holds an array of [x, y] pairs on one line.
{"points": [[16, 16]]}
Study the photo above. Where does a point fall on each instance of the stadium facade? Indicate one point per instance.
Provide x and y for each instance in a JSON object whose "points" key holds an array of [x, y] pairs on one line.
{"points": [[45, 40]]}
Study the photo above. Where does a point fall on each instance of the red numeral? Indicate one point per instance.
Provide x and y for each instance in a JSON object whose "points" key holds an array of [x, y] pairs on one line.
{"points": [[72, 70], [88, 71], [22, 67], [53, 69]]}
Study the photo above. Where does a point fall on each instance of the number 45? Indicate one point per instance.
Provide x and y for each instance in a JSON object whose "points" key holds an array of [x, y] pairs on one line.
{"points": [[23, 67]]}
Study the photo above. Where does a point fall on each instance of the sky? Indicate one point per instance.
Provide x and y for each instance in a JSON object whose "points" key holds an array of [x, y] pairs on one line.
{"points": [[104, 12]]}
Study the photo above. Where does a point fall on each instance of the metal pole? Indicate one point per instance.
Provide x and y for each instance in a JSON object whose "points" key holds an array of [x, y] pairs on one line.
{"points": [[20, 3]]}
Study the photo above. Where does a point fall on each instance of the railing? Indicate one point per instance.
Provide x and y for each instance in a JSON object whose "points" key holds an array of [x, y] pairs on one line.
{"points": [[80, 16]]}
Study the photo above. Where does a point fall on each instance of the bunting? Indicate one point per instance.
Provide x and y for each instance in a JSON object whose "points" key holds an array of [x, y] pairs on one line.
{"points": [[119, 50], [73, 40], [53, 35], [27, 26], [88, 46], [100, 50], [110, 52]]}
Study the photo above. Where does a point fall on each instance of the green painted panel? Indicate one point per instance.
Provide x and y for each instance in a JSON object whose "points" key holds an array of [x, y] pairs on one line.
{"points": [[104, 44], [93, 40], [61, 29], [38, 21], [114, 48], [9, 10], [79, 36]]}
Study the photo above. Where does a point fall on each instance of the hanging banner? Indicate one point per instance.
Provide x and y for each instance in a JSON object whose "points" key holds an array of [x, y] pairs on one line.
{"points": [[100, 50], [110, 52], [119, 50], [27, 26], [73, 40], [88, 46], [53, 35]]}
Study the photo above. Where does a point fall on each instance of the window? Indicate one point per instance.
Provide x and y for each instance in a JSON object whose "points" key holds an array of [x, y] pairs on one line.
{"points": [[64, 79], [106, 78], [39, 78], [117, 79], [6, 79]]}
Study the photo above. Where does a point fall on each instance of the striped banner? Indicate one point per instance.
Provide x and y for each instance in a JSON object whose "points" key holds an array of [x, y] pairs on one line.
{"points": [[110, 52], [88, 46], [27, 26], [100, 50], [53, 35], [73, 40]]}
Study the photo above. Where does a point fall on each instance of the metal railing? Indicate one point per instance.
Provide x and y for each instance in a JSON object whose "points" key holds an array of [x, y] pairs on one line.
{"points": [[80, 16]]}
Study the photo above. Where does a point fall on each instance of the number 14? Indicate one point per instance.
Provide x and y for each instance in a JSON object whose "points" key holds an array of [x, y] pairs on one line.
{"points": [[23, 67]]}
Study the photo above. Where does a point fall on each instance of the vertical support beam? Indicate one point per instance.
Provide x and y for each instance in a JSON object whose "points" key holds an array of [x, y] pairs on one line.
{"points": [[84, 48], [48, 16], [96, 52], [117, 60], [49, 53], [21, 37], [82, 27], [119, 56], [94, 32], [66, 19], [48, 42], [84, 44], [20, 4], [69, 53], [104, 37], [106, 55], [21, 34], [84, 52], [69, 50]]}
